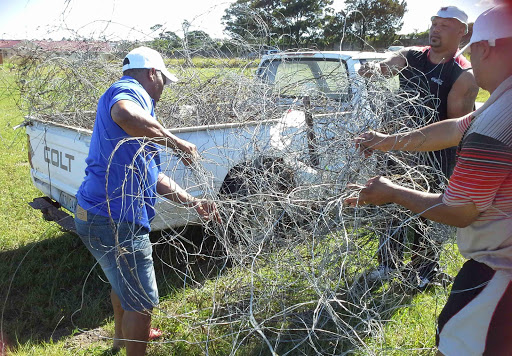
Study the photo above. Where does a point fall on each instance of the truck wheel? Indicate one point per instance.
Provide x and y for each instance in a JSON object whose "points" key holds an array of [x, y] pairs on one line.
{"points": [[252, 197]]}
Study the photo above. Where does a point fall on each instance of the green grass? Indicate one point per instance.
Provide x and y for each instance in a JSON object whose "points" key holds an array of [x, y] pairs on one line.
{"points": [[411, 329], [202, 62], [41, 267], [482, 96], [45, 299]]}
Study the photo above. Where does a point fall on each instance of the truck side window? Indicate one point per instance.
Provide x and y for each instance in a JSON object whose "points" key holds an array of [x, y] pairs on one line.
{"points": [[267, 71]]}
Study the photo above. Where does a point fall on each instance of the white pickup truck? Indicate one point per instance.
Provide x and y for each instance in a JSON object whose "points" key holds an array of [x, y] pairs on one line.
{"points": [[57, 152]]}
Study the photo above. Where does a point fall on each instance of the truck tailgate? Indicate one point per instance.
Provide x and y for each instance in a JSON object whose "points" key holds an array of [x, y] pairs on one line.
{"points": [[58, 156]]}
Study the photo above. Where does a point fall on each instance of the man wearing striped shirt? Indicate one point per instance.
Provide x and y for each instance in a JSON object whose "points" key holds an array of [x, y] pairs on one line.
{"points": [[478, 200]]}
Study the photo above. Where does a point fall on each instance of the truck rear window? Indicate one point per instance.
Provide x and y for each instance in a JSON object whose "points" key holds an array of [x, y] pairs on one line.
{"points": [[298, 77]]}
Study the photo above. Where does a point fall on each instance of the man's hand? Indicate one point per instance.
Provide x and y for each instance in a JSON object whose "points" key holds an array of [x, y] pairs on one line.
{"points": [[370, 141], [378, 191], [368, 69], [206, 209], [190, 153]]}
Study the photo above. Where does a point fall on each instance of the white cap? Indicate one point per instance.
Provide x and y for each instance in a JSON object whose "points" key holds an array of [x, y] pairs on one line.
{"points": [[491, 25], [452, 12], [145, 57]]}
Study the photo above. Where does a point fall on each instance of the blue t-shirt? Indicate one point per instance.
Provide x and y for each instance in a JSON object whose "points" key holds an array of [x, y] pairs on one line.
{"points": [[121, 177]]}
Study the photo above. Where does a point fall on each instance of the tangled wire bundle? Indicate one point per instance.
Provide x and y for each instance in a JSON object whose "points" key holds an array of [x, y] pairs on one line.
{"points": [[288, 270]]}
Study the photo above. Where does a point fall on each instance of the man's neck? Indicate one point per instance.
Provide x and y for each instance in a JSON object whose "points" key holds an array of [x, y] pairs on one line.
{"points": [[438, 55], [496, 78]]}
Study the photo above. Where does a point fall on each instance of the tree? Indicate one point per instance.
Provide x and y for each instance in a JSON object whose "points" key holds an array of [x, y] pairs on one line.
{"points": [[251, 20], [306, 18], [199, 39], [375, 18], [167, 41], [295, 22], [335, 29]]}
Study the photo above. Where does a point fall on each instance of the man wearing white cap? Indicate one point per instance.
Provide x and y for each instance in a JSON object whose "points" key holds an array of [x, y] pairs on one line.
{"points": [[476, 319], [445, 84], [117, 197]]}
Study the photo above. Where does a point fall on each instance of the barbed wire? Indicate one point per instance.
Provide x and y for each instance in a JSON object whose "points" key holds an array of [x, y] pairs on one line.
{"points": [[290, 264]]}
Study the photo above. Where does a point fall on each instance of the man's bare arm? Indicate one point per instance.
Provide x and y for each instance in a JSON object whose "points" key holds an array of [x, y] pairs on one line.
{"points": [[380, 190], [461, 99], [433, 137], [169, 189], [136, 122], [388, 67]]}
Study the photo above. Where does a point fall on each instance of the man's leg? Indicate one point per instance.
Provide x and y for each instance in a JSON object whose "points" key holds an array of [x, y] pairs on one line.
{"points": [[118, 321], [390, 252], [425, 252], [137, 285], [98, 236], [136, 326], [99, 240], [392, 243]]}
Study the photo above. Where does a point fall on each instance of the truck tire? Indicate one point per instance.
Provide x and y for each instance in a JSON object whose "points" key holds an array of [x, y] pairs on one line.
{"points": [[253, 205]]}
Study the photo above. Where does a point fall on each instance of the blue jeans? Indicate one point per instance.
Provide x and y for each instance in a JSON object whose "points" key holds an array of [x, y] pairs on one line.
{"points": [[126, 261]]}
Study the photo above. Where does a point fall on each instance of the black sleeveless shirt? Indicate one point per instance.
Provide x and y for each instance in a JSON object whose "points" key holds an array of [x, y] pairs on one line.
{"points": [[432, 82]]}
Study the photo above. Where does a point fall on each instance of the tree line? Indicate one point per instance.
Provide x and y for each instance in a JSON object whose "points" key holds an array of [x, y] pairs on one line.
{"points": [[295, 24]]}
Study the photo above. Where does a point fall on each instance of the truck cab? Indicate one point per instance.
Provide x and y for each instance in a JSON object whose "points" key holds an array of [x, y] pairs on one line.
{"points": [[327, 75]]}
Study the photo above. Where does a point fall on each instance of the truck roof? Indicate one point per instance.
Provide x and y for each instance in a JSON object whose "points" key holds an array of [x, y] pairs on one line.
{"points": [[345, 55]]}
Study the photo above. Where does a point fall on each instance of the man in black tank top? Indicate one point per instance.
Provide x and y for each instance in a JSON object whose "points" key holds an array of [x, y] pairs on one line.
{"points": [[433, 82], [447, 86]]}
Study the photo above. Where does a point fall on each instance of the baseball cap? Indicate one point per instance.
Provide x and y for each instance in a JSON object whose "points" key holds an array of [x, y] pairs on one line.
{"points": [[452, 12], [145, 57], [491, 25]]}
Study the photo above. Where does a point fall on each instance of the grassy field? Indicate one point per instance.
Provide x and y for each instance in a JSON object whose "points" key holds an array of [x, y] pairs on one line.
{"points": [[50, 290], [42, 268]]}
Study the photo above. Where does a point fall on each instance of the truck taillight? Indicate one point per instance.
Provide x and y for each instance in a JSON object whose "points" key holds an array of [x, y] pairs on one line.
{"points": [[30, 152]]}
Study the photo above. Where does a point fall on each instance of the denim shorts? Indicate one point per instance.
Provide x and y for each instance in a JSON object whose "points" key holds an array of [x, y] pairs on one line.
{"points": [[126, 261]]}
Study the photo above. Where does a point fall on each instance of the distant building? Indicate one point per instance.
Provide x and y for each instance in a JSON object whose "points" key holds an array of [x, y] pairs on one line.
{"points": [[7, 48]]}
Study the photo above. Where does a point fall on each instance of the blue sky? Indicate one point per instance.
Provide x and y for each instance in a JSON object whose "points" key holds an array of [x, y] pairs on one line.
{"points": [[132, 19]]}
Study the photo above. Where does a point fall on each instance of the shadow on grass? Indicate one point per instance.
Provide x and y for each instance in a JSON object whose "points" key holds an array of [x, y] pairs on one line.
{"points": [[342, 326], [341, 323], [357, 314], [52, 289], [48, 288]]}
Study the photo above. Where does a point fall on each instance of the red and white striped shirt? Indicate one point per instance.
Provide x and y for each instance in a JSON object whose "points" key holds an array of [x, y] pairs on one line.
{"points": [[483, 176]]}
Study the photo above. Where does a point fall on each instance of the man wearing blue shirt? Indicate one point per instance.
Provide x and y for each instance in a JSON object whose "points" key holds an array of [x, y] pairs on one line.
{"points": [[117, 197]]}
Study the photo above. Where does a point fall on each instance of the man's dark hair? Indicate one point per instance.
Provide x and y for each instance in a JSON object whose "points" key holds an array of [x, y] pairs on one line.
{"points": [[135, 72]]}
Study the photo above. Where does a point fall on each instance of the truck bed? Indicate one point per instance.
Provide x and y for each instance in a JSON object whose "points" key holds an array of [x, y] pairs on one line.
{"points": [[58, 152]]}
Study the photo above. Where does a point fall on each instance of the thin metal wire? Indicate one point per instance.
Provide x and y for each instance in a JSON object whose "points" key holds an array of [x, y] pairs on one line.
{"points": [[294, 261]]}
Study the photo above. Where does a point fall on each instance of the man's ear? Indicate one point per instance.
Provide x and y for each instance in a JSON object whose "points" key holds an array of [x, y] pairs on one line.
{"points": [[152, 74], [463, 30], [485, 48]]}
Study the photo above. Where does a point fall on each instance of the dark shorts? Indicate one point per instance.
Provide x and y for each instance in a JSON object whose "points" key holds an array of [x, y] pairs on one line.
{"points": [[477, 318], [126, 261]]}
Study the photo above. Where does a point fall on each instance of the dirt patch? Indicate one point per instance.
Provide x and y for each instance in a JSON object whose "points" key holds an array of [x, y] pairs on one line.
{"points": [[85, 339]]}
